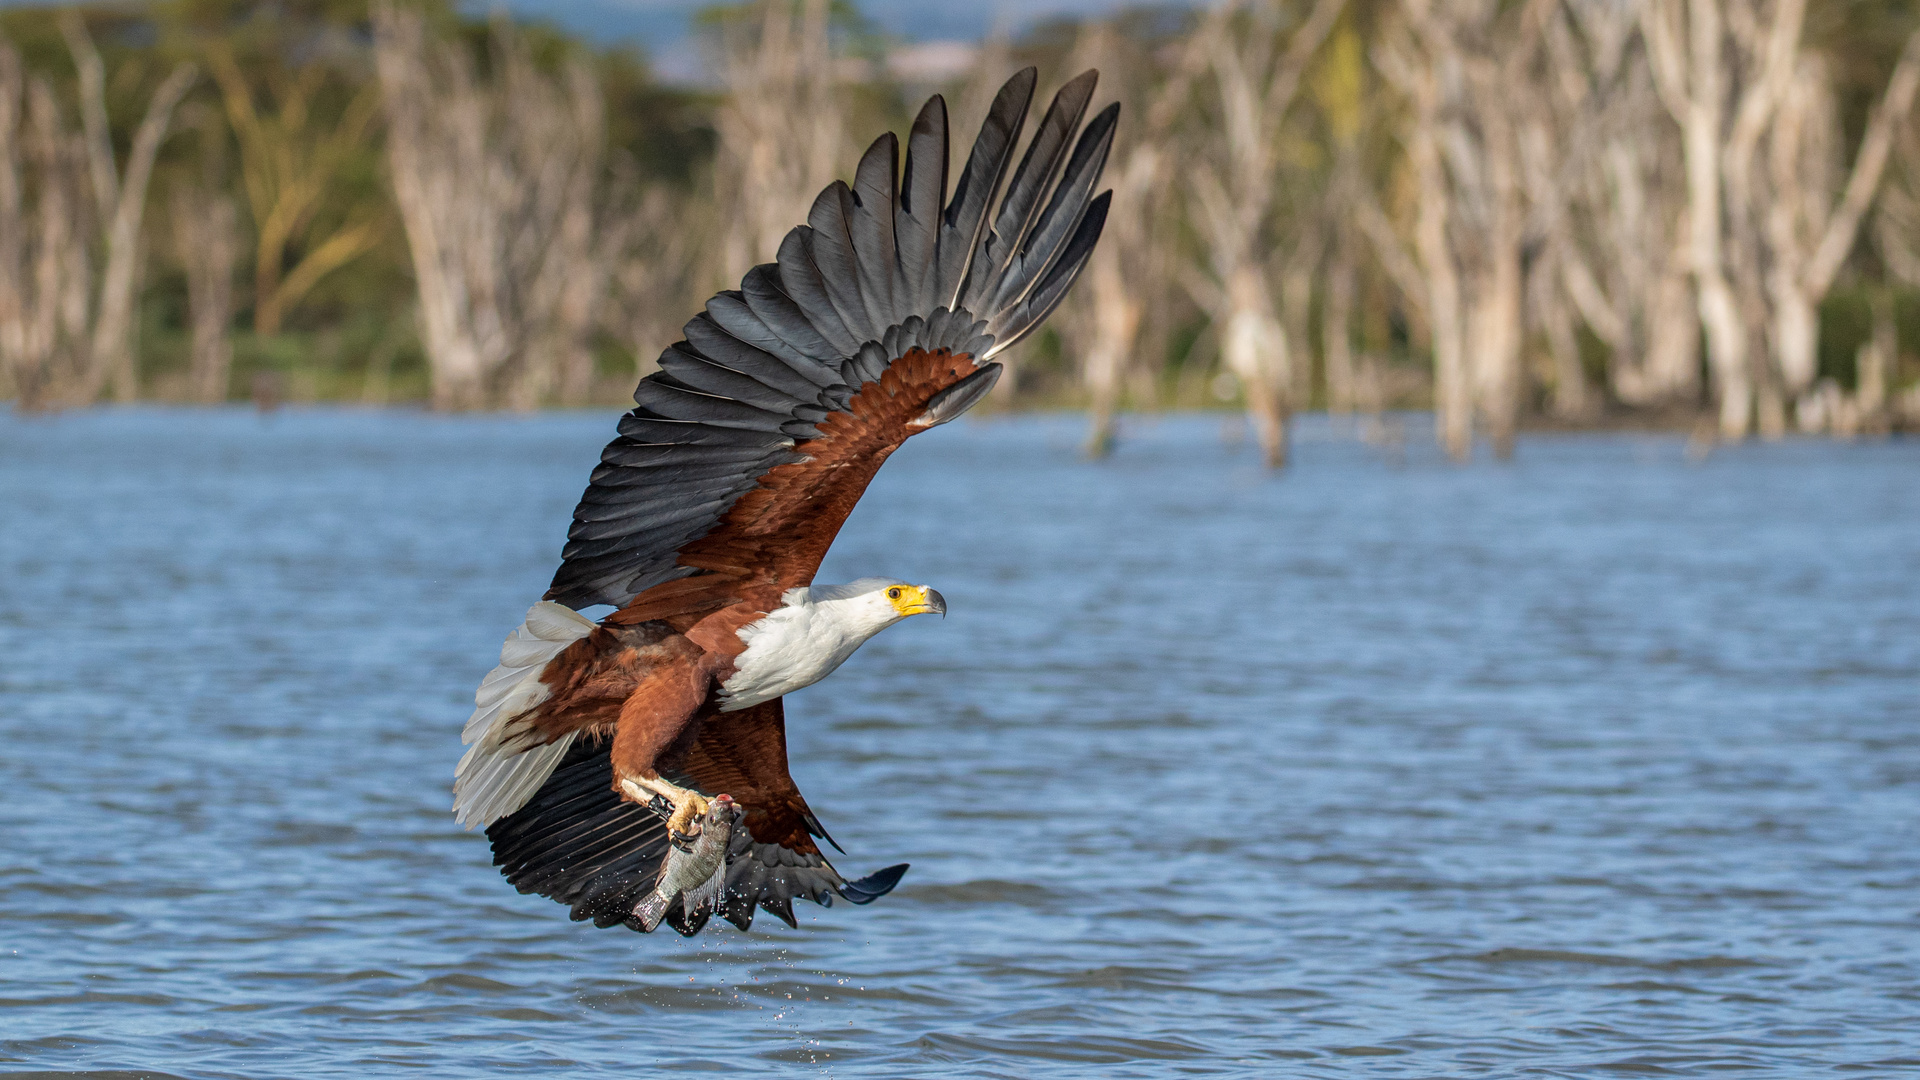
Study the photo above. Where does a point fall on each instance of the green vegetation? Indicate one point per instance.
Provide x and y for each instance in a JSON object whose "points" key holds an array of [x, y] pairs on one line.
{"points": [[284, 120], [277, 256]]}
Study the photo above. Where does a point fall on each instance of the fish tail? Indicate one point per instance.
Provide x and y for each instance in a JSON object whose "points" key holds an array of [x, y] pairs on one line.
{"points": [[651, 910]]}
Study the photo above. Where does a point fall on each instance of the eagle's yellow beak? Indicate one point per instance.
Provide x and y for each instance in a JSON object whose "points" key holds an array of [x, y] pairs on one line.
{"points": [[916, 600]]}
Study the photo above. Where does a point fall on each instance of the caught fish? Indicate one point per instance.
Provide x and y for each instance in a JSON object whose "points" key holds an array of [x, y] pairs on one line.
{"points": [[695, 876]]}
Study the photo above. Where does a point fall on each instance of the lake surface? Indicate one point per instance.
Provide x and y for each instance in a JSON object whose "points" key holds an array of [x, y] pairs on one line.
{"points": [[1602, 762]]}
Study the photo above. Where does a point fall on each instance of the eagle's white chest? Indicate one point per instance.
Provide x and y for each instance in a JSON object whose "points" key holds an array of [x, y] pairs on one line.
{"points": [[795, 646]]}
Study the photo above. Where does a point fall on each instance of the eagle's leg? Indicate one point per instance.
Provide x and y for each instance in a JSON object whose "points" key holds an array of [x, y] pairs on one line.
{"points": [[654, 717], [683, 807]]}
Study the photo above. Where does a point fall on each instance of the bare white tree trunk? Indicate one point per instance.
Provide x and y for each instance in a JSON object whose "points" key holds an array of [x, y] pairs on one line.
{"points": [[781, 133], [573, 274], [1493, 323], [1723, 81], [1462, 150], [1104, 321], [434, 135], [207, 242], [122, 204], [1873, 367], [1453, 400], [45, 227], [1233, 187], [62, 338], [1810, 236], [1563, 111], [1423, 270], [495, 184], [1685, 41], [1116, 326], [1254, 349], [1336, 330], [651, 246], [1622, 261], [1896, 235]]}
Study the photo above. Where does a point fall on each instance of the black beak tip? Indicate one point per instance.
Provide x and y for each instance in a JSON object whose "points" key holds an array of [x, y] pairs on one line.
{"points": [[939, 602]]}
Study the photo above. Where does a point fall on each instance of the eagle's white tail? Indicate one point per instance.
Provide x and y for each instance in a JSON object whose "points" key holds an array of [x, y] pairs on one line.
{"points": [[500, 773]]}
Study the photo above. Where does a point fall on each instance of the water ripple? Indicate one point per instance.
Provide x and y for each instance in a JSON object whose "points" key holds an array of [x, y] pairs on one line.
{"points": [[1599, 763]]}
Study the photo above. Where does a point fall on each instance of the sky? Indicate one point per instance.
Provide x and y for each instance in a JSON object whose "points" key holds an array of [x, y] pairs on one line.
{"points": [[661, 26]]}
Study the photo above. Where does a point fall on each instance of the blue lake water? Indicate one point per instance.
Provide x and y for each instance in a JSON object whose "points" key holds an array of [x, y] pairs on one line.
{"points": [[1602, 762]]}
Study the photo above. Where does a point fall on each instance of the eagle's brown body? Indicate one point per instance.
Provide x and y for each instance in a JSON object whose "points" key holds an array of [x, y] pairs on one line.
{"points": [[651, 673]]}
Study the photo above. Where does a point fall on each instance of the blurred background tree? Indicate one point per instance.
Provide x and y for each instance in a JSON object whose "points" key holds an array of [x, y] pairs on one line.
{"points": [[1516, 213]]}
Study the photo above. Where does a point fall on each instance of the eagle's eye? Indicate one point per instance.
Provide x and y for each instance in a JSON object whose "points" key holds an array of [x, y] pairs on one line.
{"points": [[893, 593]]}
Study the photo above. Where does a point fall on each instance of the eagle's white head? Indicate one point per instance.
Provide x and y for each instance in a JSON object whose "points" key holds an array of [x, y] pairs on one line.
{"points": [[876, 602], [814, 630]]}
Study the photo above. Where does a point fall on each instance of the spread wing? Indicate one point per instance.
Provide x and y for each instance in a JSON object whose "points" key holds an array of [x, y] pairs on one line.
{"points": [[578, 842], [750, 446]]}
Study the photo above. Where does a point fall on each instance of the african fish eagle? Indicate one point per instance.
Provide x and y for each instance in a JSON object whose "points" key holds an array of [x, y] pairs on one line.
{"points": [[595, 747]]}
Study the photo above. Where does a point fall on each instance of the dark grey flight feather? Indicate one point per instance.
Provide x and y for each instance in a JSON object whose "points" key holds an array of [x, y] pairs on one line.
{"points": [[964, 227], [916, 221], [694, 482], [1029, 186], [870, 214], [1040, 247], [747, 367], [799, 276], [881, 267], [769, 299], [829, 237], [1020, 320], [668, 397], [578, 842]]}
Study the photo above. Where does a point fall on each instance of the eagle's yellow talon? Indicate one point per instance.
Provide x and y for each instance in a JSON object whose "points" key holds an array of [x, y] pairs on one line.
{"points": [[688, 808], [686, 816]]}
